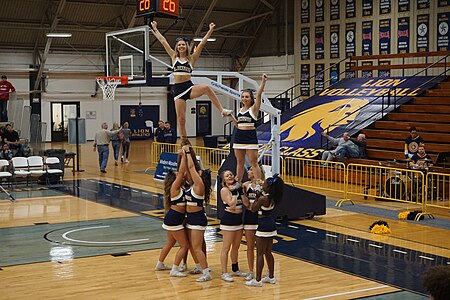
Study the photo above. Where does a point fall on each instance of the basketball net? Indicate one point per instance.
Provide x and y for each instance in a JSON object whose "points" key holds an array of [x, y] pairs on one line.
{"points": [[108, 84]]}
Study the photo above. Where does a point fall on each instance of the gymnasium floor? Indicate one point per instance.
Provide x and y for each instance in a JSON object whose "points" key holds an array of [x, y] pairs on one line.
{"points": [[99, 236]]}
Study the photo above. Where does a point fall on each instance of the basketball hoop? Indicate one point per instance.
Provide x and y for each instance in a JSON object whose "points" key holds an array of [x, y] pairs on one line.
{"points": [[108, 85]]}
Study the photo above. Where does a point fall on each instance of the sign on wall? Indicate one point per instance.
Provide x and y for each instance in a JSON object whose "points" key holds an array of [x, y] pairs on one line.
{"points": [[385, 7], [320, 78], [350, 9], [385, 72], [423, 4], [319, 42], [403, 5], [334, 41], [334, 10], [136, 116], [304, 80], [442, 3], [403, 35], [385, 36], [367, 38], [305, 43], [348, 72], [319, 10], [350, 42], [443, 32], [423, 25], [367, 73], [367, 7], [334, 73], [305, 11]]}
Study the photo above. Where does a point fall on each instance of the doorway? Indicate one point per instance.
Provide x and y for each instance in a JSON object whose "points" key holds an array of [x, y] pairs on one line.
{"points": [[61, 112]]}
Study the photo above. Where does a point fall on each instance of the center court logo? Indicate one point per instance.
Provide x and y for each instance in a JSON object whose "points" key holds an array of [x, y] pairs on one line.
{"points": [[314, 120]]}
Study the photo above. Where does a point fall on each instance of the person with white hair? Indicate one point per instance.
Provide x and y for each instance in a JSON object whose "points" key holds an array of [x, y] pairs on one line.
{"points": [[355, 149], [328, 155]]}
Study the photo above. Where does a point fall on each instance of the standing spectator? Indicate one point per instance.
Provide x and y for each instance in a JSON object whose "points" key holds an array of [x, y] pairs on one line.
{"points": [[356, 149], [101, 142], [6, 153], [159, 132], [116, 143], [412, 142], [169, 134], [5, 89], [11, 137], [126, 132], [328, 155]]}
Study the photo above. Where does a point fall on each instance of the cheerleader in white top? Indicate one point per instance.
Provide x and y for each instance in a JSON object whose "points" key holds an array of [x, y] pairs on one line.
{"points": [[183, 63], [245, 139], [264, 205]]}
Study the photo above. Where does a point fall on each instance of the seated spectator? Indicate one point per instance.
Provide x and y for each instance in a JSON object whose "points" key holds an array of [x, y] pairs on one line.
{"points": [[412, 142], [159, 132], [421, 159], [356, 149], [6, 153], [437, 282], [11, 137], [328, 155], [169, 134]]}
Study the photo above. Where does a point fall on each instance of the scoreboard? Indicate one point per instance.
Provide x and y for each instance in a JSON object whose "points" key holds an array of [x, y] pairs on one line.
{"points": [[168, 8]]}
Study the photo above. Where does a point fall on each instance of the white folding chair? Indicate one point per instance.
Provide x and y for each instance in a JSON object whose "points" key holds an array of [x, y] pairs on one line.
{"points": [[20, 168], [53, 161], [5, 175], [36, 166]]}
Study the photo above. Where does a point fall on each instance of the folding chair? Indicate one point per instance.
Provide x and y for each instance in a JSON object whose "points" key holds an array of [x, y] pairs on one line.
{"points": [[51, 163], [36, 166], [4, 164], [20, 168]]}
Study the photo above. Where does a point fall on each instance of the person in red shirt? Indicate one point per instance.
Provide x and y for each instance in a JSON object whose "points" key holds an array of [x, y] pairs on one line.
{"points": [[5, 89]]}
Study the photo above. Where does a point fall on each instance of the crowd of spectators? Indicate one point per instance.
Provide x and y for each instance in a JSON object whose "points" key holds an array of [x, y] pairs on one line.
{"points": [[12, 146], [165, 133]]}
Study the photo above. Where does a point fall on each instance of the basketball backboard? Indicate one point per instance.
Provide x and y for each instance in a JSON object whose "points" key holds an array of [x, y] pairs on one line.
{"points": [[127, 53]]}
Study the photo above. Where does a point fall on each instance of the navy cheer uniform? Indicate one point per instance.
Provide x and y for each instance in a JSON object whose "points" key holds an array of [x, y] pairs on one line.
{"points": [[232, 221], [173, 220], [246, 139], [182, 90], [250, 218], [266, 222], [195, 220]]}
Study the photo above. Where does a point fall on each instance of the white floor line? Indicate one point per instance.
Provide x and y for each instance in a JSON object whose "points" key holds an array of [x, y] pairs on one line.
{"points": [[293, 226], [309, 230], [347, 293], [399, 251], [352, 240], [426, 257], [332, 235], [377, 246]]}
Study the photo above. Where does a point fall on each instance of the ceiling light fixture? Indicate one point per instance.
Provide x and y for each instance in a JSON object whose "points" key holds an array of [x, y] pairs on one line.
{"points": [[58, 35], [208, 40]]}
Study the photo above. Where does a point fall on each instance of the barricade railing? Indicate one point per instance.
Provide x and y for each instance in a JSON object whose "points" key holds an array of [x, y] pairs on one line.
{"points": [[384, 182], [437, 193], [302, 172], [211, 158]]}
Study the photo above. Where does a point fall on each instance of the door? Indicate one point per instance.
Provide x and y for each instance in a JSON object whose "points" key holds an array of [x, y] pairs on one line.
{"points": [[61, 112], [203, 118]]}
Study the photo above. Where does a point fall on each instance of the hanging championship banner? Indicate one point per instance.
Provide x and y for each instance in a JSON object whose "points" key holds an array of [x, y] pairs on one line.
{"points": [[367, 7], [350, 9], [423, 4], [367, 38], [319, 80], [304, 49], [423, 23], [319, 42], [403, 5], [403, 35], [385, 7], [350, 43], [385, 36], [304, 80], [348, 72], [443, 32], [367, 73], [334, 73], [334, 10], [334, 41], [442, 3], [384, 72], [319, 10], [305, 11]]}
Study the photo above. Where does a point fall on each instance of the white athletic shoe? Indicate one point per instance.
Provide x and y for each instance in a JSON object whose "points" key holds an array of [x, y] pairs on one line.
{"points": [[160, 266], [253, 282], [267, 279], [176, 273], [195, 271], [239, 273], [226, 112], [182, 268], [227, 277], [249, 276], [127, 161], [203, 278]]}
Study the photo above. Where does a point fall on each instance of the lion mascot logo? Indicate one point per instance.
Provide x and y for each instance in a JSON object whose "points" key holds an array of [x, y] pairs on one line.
{"points": [[306, 124]]}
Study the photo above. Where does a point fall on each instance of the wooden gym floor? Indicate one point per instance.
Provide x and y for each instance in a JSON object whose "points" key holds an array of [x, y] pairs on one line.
{"points": [[99, 236]]}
